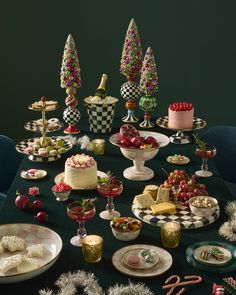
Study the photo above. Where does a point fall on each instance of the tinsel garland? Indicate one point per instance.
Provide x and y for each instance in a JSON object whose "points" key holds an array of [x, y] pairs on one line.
{"points": [[69, 283], [228, 228]]}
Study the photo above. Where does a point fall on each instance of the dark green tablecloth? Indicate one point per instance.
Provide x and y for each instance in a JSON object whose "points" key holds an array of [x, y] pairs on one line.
{"points": [[71, 257]]}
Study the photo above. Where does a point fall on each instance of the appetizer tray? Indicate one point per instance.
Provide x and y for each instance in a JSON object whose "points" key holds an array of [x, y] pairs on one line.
{"points": [[183, 215]]}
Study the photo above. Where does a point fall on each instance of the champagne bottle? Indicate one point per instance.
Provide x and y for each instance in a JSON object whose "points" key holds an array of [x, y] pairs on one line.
{"points": [[101, 90]]}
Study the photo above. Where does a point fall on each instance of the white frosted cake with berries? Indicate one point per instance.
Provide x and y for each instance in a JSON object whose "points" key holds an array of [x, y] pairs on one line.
{"points": [[180, 115], [81, 171]]}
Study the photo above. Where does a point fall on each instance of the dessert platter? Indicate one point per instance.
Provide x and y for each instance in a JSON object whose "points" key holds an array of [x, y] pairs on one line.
{"points": [[52, 125], [27, 250], [183, 215], [80, 172], [61, 176], [212, 256], [33, 174], [50, 105], [180, 137], [178, 159], [138, 146], [36, 153], [142, 260]]}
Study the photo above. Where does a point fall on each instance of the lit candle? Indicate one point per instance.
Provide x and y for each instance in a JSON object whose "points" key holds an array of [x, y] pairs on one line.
{"points": [[170, 234], [92, 247], [98, 146]]}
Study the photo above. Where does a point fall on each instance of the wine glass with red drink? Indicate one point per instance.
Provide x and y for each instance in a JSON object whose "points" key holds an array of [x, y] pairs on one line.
{"points": [[80, 211], [206, 153], [109, 187]]}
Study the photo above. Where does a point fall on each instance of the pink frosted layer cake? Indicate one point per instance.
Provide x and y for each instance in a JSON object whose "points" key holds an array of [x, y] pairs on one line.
{"points": [[81, 171], [180, 115]]}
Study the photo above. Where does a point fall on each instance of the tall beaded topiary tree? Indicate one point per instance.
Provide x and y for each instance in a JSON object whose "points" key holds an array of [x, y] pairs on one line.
{"points": [[149, 84], [130, 66], [71, 80]]}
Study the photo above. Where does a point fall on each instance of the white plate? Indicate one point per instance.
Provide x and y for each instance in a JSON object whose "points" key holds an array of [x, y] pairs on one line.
{"points": [[22, 174], [171, 160], [162, 266], [212, 261], [143, 264], [32, 234], [60, 177]]}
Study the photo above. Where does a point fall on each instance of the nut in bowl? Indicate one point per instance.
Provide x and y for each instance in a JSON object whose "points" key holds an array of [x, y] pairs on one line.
{"points": [[125, 228], [203, 205]]}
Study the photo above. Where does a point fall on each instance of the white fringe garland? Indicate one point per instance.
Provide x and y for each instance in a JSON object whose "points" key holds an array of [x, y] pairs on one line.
{"points": [[228, 228], [69, 282]]}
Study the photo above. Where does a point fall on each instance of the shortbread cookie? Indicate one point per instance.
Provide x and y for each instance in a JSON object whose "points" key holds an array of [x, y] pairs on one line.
{"points": [[28, 264], [13, 243], [10, 262], [36, 250]]}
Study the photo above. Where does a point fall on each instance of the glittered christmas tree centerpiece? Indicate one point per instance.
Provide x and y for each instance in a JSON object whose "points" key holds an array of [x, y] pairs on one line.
{"points": [[148, 84], [71, 80], [130, 66]]}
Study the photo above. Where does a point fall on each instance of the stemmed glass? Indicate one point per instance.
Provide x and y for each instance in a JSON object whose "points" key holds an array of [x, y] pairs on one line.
{"points": [[80, 212], [209, 151], [110, 189], [175, 190]]}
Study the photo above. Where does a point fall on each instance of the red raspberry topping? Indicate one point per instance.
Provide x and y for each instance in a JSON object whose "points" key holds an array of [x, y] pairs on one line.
{"points": [[181, 106]]}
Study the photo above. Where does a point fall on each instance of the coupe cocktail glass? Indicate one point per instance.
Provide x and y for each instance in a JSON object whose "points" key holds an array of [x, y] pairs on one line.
{"points": [[80, 213], [110, 190], [208, 152]]}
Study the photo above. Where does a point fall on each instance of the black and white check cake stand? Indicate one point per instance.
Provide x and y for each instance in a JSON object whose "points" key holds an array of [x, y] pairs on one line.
{"points": [[22, 145], [183, 216], [180, 137], [35, 127]]}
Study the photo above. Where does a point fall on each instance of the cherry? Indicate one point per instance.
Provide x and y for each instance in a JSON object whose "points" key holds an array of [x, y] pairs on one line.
{"points": [[42, 216], [37, 204]]}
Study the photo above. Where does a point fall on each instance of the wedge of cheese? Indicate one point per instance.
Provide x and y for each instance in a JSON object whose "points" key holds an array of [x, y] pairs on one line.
{"points": [[163, 195], [164, 207], [143, 201], [152, 190]]}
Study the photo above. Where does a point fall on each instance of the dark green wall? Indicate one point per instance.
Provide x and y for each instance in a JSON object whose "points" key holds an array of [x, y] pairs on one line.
{"points": [[194, 43]]}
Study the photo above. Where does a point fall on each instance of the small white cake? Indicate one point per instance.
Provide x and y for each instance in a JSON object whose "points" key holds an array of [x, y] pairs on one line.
{"points": [[81, 171]]}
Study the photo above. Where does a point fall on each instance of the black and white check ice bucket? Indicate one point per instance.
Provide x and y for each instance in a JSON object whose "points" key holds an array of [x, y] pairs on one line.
{"points": [[101, 116]]}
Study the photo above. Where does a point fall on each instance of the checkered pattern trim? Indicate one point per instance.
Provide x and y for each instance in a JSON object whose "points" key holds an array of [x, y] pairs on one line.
{"points": [[130, 90], [101, 117], [22, 145], [197, 123], [71, 115], [183, 215], [33, 126]]}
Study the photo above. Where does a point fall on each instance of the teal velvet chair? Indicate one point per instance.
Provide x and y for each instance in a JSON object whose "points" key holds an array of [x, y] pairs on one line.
{"points": [[224, 139], [10, 161]]}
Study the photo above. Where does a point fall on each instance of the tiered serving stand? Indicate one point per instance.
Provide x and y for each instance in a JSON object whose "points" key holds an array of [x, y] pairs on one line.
{"points": [[43, 129], [180, 137]]}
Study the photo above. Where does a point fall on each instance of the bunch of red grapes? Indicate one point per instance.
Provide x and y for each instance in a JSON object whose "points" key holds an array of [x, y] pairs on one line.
{"points": [[188, 185]]}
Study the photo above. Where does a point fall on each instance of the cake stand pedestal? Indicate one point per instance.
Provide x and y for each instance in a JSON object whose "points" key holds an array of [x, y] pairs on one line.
{"points": [[180, 137]]}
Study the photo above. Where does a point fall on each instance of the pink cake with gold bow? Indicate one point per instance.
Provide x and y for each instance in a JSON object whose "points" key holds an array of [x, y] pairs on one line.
{"points": [[180, 115], [81, 171]]}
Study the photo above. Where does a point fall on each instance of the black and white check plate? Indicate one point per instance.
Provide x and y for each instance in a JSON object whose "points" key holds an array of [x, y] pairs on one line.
{"points": [[22, 145], [33, 126], [197, 124], [183, 215]]}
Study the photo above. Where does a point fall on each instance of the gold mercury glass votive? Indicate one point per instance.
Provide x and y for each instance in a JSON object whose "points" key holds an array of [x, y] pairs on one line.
{"points": [[170, 234], [92, 247], [98, 146]]}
